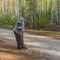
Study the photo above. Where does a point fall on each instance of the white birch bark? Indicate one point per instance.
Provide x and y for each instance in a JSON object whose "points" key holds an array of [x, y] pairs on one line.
{"points": [[3, 8], [56, 10], [19, 9]]}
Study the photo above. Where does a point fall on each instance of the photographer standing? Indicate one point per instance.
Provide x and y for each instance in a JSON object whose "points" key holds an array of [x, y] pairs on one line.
{"points": [[18, 31]]}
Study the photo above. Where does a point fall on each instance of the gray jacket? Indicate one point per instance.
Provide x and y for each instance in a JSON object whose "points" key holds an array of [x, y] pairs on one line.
{"points": [[16, 28]]}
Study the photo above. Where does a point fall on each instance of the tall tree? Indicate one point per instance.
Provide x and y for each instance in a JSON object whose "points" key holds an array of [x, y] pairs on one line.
{"points": [[19, 9], [54, 12], [3, 8]]}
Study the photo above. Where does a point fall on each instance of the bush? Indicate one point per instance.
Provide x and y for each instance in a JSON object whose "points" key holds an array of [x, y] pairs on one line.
{"points": [[9, 21]]}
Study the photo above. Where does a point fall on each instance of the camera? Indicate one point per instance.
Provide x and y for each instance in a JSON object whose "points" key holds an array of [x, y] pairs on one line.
{"points": [[19, 28]]}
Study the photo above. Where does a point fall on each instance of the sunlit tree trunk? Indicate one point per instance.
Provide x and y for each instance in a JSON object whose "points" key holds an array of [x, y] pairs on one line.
{"points": [[46, 8], [0, 8], [14, 8], [54, 12], [3, 8], [51, 8], [19, 9]]}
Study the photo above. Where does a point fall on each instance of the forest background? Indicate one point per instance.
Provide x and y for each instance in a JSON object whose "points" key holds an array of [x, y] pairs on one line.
{"points": [[39, 13]]}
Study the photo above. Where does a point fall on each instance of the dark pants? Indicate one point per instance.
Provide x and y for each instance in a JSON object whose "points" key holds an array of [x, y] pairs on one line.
{"points": [[19, 39]]}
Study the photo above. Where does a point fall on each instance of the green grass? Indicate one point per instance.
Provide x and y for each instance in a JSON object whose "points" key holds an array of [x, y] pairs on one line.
{"points": [[9, 22], [42, 31]]}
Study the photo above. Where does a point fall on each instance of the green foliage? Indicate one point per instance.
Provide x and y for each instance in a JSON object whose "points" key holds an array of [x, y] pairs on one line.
{"points": [[43, 21], [9, 22], [38, 12], [1, 20]]}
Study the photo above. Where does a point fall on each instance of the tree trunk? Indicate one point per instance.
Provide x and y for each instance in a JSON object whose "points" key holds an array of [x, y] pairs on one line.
{"points": [[3, 8], [19, 9], [54, 12]]}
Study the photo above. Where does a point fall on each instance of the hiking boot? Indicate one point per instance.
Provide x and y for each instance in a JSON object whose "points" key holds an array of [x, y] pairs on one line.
{"points": [[24, 47]]}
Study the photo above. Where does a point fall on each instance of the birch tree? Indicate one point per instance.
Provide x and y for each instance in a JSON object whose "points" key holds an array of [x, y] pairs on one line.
{"points": [[19, 9], [3, 8], [14, 8], [54, 12]]}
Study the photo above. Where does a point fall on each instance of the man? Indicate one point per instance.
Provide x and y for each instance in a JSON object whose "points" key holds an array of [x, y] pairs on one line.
{"points": [[18, 31]]}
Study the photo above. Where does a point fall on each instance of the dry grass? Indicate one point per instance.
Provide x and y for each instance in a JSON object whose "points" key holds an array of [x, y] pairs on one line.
{"points": [[52, 34]]}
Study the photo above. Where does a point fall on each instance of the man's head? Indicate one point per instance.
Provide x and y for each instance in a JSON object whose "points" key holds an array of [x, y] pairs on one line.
{"points": [[25, 19]]}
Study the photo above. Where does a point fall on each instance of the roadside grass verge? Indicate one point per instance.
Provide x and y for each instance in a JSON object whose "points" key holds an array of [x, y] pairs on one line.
{"points": [[52, 34], [42, 31]]}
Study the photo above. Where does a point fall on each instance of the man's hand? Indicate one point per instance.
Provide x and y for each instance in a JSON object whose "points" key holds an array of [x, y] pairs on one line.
{"points": [[19, 28]]}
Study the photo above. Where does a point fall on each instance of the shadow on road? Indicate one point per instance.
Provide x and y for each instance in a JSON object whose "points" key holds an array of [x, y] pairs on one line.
{"points": [[8, 52]]}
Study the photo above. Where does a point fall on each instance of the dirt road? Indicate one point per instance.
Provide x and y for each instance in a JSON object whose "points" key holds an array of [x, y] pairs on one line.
{"points": [[34, 43], [8, 52]]}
